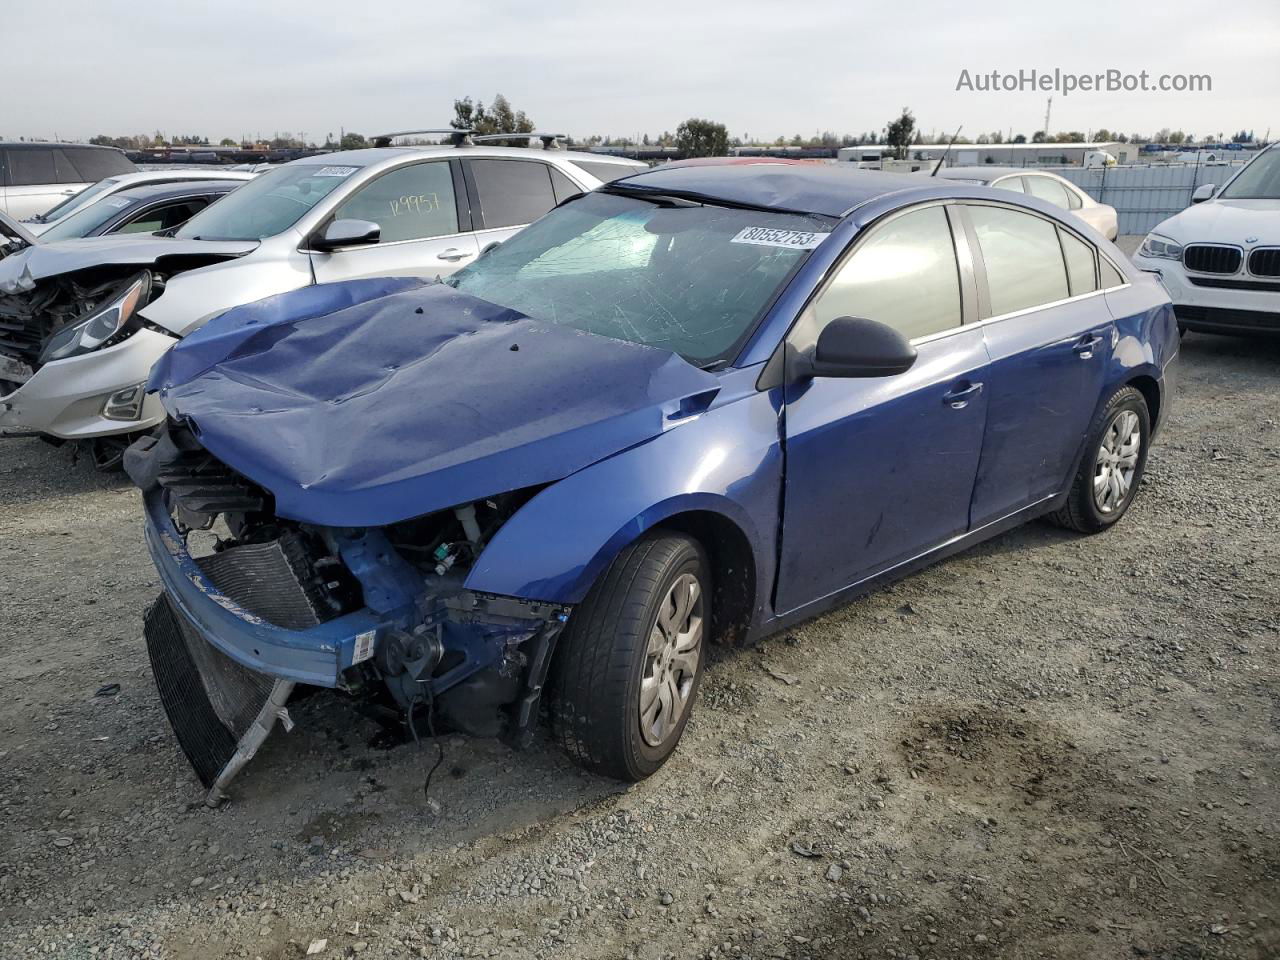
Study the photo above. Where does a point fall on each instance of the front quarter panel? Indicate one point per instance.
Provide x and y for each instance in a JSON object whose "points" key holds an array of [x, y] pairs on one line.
{"points": [[191, 298], [727, 461]]}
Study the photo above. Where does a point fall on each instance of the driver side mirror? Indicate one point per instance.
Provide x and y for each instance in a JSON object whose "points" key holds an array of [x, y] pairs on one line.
{"points": [[857, 347], [346, 233], [1204, 192]]}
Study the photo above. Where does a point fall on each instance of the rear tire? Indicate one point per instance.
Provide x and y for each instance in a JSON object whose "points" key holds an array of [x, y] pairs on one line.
{"points": [[627, 669], [1111, 469]]}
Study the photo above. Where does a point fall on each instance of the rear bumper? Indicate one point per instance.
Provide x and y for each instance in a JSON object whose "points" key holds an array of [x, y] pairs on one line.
{"points": [[316, 655]]}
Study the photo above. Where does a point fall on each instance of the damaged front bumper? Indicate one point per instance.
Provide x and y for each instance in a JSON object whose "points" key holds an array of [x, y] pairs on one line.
{"points": [[225, 671], [71, 399]]}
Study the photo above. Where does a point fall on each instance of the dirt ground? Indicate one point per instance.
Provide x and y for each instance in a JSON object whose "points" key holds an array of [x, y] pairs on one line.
{"points": [[1050, 746]]}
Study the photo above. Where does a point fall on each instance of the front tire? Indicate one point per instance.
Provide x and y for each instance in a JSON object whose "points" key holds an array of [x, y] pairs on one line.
{"points": [[627, 669], [1112, 466]]}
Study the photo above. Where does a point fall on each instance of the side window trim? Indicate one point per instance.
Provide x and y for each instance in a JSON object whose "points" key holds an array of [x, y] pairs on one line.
{"points": [[462, 197], [1063, 232]]}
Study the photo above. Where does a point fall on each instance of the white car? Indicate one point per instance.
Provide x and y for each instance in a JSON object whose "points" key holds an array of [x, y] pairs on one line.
{"points": [[82, 321], [1220, 258], [1047, 186], [35, 176], [41, 222]]}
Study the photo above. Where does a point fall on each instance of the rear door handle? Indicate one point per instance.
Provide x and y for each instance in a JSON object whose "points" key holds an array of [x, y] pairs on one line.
{"points": [[958, 397], [453, 254], [1084, 346]]}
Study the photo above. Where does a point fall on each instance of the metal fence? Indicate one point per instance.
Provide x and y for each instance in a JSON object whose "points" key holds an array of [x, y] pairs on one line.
{"points": [[1143, 195]]}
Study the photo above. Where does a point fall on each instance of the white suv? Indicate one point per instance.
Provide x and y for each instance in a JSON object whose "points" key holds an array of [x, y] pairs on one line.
{"points": [[1220, 258], [35, 176], [82, 321]]}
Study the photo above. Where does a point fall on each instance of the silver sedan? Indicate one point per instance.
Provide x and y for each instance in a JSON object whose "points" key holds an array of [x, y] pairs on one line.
{"points": [[1047, 186]]}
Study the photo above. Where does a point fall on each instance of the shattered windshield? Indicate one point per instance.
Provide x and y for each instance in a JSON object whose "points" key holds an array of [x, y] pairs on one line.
{"points": [[686, 277], [1260, 180], [268, 204]]}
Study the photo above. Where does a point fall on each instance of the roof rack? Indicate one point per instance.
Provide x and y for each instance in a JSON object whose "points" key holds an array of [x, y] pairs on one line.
{"points": [[459, 138], [550, 141]]}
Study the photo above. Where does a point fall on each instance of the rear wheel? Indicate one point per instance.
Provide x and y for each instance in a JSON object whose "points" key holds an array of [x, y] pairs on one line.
{"points": [[627, 669], [1112, 466]]}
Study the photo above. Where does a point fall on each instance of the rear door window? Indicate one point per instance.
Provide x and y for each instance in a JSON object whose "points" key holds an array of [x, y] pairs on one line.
{"points": [[97, 164], [1023, 258], [564, 187], [31, 167], [1010, 183], [512, 192], [1049, 190], [412, 203], [1080, 258]]}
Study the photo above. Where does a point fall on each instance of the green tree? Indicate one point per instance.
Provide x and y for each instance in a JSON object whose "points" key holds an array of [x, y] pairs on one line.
{"points": [[1103, 135], [702, 138], [1038, 137], [352, 141], [898, 134], [227, 142], [498, 117]]}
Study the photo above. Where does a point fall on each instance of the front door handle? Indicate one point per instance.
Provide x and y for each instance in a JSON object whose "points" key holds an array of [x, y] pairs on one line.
{"points": [[958, 397], [1084, 346], [453, 254]]}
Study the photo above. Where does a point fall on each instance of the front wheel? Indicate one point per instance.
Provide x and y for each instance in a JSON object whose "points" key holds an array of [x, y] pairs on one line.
{"points": [[1112, 466], [628, 667]]}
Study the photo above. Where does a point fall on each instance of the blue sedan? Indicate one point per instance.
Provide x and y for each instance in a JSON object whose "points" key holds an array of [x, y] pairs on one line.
{"points": [[700, 404]]}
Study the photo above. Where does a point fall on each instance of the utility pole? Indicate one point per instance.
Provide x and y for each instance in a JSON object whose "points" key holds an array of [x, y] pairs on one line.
{"points": [[1048, 107]]}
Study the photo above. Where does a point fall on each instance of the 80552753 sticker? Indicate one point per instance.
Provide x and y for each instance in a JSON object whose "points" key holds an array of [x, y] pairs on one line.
{"points": [[774, 237], [363, 647], [335, 171]]}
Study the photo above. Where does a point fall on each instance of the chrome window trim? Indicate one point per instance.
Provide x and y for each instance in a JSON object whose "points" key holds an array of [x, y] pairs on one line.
{"points": [[1018, 313]]}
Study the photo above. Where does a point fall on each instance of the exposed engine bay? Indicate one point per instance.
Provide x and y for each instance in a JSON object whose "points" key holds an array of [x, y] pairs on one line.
{"points": [[31, 318], [474, 662]]}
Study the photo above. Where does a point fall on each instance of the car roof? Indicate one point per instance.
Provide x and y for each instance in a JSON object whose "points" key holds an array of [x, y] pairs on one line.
{"points": [[48, 144], [180, 188], [988, 173], [828, 189]]}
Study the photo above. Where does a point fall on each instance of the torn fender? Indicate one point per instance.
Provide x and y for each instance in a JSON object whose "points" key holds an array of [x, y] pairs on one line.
{"points": [[372, 401]]}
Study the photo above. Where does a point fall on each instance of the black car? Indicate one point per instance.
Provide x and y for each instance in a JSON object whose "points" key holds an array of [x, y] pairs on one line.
{"points": [[159, 206]]}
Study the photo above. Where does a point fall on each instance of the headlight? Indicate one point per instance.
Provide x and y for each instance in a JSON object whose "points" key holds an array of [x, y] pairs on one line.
{"points": [[100, 326], [1157, 246]]}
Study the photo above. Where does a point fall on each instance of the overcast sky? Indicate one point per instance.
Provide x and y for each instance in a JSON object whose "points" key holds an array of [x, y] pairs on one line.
{"points": [[76, 68]]}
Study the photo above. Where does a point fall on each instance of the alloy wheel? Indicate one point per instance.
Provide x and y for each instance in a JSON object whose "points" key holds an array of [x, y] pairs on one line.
{"points": [[1117, 462], [671, 661]]}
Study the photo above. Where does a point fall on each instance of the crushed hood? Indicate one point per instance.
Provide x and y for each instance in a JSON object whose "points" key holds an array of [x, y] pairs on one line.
{"points": [[372, 401], [67, 256]]}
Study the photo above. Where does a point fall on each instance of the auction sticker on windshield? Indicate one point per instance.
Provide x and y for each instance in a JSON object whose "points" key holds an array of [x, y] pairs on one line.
{"points": [[336, 171], [773, 237]]}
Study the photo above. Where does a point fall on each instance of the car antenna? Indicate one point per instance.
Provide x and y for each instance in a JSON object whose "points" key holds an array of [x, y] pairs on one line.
{"points": [[942, 158]]}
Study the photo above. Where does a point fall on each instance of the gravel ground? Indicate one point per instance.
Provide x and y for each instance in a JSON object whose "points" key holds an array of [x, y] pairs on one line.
{"points": [[1050, 746]]}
